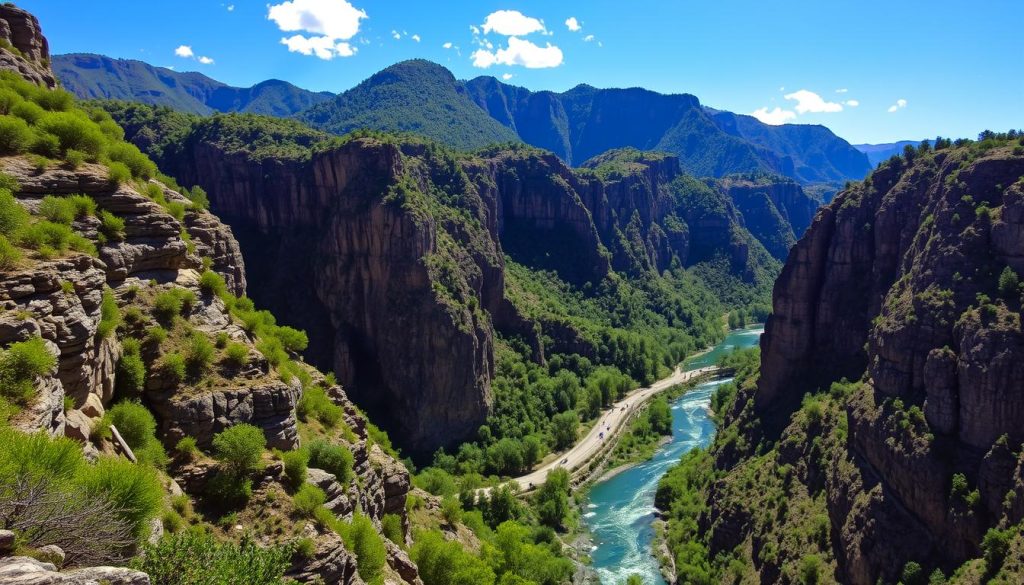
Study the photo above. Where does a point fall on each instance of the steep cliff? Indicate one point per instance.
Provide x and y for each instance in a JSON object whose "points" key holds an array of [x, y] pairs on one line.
{"points": [[23, 48], [909, 283]]}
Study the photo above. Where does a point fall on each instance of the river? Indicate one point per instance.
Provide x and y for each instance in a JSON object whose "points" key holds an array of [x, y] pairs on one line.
{"points": [[620, 510]]}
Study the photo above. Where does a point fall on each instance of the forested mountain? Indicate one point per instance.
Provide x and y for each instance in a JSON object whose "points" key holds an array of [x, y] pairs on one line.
{"points": [[91, 76], [880, 152]]}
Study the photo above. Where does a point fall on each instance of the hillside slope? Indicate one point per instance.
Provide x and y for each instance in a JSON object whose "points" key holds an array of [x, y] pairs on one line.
{"points": [[90, 76], [908, 283]]}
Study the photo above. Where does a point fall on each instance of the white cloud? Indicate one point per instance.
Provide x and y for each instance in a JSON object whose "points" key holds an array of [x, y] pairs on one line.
{"points": [[511, 23], [842, 90], [473, 29], [324, 47], [415, 38], [184, 51], [774, 117], [572, 24], [333, 21], [520, 52], [447, 45], [506, 76], [396, 35], [899, 105], [851, 103], [206, 60], [588, 38], [808, 101], [231, 7]]}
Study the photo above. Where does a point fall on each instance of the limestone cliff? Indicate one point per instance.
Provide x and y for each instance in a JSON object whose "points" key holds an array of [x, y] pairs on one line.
{"points": [[23, 48], [909, 283]]}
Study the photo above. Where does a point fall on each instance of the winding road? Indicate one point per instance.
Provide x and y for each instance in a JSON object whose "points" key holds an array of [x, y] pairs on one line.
{"points": [[611, 423]]}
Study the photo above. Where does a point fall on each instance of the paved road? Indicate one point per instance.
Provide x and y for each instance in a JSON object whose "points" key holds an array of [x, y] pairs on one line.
{"points": [[611, 423]]}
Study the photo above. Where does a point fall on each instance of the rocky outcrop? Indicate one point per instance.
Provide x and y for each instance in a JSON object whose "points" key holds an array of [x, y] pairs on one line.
{"points": [[23, 48], [775, 209], [907, 282], [26, 571]]}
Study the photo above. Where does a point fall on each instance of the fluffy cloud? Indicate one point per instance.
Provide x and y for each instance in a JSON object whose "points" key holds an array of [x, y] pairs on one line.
{"points": [[774, 117], [415, 38], [851, 103], [333, 21], [506, 76], [511, 23], [572, 24], [396, 35], [231, 7], [899, 105], [588, 38], [324, 47], [520, 52], [184, 51], [206, 60], [447, 45], [808, 101]]}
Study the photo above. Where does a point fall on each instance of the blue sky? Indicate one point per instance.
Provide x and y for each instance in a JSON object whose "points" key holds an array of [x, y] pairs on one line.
{"points": [[872, 71]]}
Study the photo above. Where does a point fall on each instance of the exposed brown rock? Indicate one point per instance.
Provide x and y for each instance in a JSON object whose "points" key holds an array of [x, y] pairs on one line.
{"points": [[25, 50]]}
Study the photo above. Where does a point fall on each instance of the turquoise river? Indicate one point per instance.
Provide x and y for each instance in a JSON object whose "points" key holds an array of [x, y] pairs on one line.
{"points": [[620, 511]]}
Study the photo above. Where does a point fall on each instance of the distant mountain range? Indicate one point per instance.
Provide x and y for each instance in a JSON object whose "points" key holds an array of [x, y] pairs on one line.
{"points": [[876, 153], [425, 98], [91, 76]]}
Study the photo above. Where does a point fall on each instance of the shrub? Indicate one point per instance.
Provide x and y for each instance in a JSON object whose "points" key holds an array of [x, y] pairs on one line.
{"points": [[995, 546], [74, 131], [308, 499], [240, 448], [1009, 283], [134, 490], [172, 521], [391, 527], [196, 557], [156, 335], [111, 226], [13, 217], [188, 448], [119, 172], [177, 210], [20, 364], [110, 315], [199, 198], [304, 548], [28, 111], [74, 158], [291, 339], [295, 465], [173, 366], [333, 459], [15, 135], [222, 339], [362, 538], [135, 423], [56, 100], [236, 354], [316, 403], [810, 569], [131, 370], [229, 490], [57, 209], [137, 163], [168, 305], [9, 254], [212, 283], [198, 354]]}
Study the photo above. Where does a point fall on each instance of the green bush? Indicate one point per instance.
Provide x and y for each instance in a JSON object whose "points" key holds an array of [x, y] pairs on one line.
{"points": [[51, 239], [361, 538], [391, 527], [240, 448], [211, 283], [20, 364], [307, 499], [295, 465], [442, 562], [315, 403], [119, 172], [177, 210], [37, 455], [188, 448], [28, 111], [13, 217], [10, 255], [135, 423], [131, 370], [198, 354], [229, 490], [236, 354], [111, 226], [137, 163], [156, 335], [333, 459], [291, 339], [135, 490], [198, 197], [1009, 283], [110, 315], [171, 303], [75, 132], [196, 557], [57, 209], [15, 135], [56, 100], [173, 367]]}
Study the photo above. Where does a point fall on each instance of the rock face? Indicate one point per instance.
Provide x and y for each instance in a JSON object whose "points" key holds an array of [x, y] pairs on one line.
{"points": [[390, 255], [776, 210], [903, 279], [23, 48], [26, 571]]}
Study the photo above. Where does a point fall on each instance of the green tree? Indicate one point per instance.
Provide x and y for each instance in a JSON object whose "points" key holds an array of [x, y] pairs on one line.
{"points": [[563, 429], [1009, 283], [552, 500], [660, 416], [240, 448]]}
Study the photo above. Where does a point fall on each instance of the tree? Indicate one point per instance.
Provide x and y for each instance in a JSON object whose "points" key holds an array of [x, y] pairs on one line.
{"points": [[240, 448], [563, 429], [660, 416], [552, 500], [1009, 283]]}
